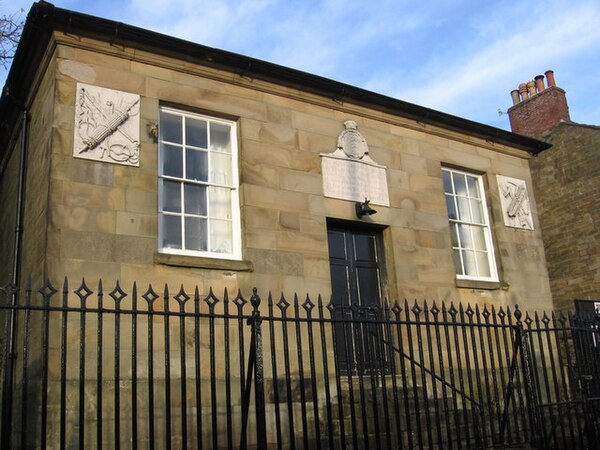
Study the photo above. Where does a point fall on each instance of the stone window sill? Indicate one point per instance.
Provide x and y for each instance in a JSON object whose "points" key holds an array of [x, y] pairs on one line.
{"points": [[202, 263], [482, 285]]}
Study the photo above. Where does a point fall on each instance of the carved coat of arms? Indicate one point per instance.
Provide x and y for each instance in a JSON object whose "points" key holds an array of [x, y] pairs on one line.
{"points": [[351, 142], [349, 173], [107, 125]]}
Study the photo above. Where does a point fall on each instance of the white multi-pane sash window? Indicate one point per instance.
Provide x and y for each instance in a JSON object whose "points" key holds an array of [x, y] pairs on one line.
{"points": [[470, 232], [198, 185]]}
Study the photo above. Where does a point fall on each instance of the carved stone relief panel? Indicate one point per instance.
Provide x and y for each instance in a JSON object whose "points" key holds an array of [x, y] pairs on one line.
{"points": [[515, 203], [107, 125], [349, 173]]}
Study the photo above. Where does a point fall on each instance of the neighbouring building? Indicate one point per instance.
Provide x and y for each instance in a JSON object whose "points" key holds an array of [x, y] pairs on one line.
{"points": [[149, 159], [566, 181]]}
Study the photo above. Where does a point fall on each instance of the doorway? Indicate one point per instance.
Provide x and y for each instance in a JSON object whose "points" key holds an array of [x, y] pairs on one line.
{"points": [[357, 266]]}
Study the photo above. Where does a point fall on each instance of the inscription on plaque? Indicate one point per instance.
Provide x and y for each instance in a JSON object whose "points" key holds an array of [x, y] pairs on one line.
{"points": [[350, 174]]}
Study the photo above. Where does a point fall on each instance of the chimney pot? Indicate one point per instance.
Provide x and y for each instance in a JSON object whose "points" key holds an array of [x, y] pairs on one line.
{"points": [[523, 91], [531, 88], [550, 78], [515, 96], [539, 83]]}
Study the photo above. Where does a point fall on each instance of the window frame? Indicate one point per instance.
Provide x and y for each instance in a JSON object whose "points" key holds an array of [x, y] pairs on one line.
{"points": [[234, 187], [485, 225]]}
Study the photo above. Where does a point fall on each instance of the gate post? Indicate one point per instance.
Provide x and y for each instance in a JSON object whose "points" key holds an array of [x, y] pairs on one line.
{"points": [[521, 340], [259, 383], [584, 334]]}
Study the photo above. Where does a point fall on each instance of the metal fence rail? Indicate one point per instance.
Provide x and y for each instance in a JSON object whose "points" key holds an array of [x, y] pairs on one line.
{"points": [[176, 369]]}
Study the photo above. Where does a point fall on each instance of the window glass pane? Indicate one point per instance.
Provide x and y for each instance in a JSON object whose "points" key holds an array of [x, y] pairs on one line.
{"points": [[196, 165], [195, 234], [220, 202], [195, 199], [451, 207], [170, 127], [464, 212], [473, 187], [172, 161], [460, 187], [469, 262], [171, 231], [221, 236], [457, 262], [479, 238], [483, 264], [171, 196], [447, 182], [454, 234], [195, 132], [220, 137], [464, 232], [220, 169], [477, 211]]}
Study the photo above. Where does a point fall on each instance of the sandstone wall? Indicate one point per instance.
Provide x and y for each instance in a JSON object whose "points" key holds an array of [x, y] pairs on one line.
{"points": [[566, 180], [103, 217]]}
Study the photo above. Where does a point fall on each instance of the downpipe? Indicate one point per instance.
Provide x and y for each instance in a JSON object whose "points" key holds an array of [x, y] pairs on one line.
{"points": [[10, 355]]}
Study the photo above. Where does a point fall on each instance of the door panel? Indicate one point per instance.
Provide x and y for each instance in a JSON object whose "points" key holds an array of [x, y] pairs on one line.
{"points": [[355, 260]]}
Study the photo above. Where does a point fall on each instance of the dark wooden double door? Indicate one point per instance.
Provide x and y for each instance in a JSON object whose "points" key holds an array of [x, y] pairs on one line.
{"points": [[356, 265]]}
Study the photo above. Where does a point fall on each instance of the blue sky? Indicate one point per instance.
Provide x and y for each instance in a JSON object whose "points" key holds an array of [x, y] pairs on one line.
{"points": [[462, 57]]}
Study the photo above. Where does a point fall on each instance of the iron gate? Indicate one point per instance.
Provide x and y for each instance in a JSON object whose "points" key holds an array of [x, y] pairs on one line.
{"points": [[87, 368]]}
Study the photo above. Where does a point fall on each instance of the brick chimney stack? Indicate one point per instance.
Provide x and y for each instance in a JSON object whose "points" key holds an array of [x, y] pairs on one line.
{"points": [[537, 108]]}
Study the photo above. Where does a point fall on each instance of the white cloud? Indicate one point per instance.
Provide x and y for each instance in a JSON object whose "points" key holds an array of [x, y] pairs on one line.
{"points": [[460, 56], [527, 50]]}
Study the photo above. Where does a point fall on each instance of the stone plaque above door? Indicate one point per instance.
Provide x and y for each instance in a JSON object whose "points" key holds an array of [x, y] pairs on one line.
{"points": [[349, 173]]}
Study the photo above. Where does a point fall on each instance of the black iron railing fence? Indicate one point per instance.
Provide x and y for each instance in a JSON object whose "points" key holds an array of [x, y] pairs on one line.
{"points": [[116, 369]]}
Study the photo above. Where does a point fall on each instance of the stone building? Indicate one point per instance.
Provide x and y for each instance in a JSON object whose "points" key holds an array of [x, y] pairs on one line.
{"points": [[134, 156], [565, 181], [106, 194]]}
